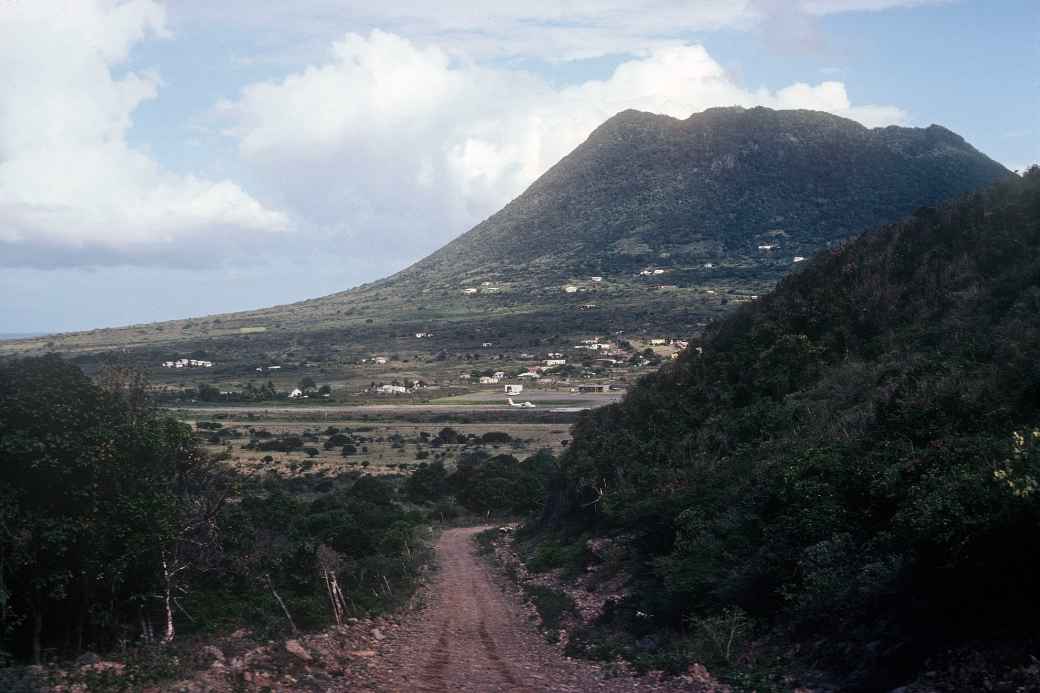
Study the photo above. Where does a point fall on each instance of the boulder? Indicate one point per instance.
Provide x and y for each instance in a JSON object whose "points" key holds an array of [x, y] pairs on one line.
{"points": [[213, 652], [294, 648]]}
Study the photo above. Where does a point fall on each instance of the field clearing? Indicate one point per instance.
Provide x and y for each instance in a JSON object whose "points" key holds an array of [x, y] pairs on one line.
{"points": [[383, 447], [541, 398]]}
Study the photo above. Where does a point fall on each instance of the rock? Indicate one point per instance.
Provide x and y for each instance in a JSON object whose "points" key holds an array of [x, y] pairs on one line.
{"points": [[241, 633], [87, 658], [378, 634], [294, 647], [100, 667], [213, 652], [363, 653]]}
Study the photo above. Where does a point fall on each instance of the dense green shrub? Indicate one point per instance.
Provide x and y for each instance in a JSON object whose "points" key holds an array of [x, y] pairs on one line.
{"points": [[855, 456]]}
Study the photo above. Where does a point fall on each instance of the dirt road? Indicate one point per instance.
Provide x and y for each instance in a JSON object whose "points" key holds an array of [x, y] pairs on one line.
{"points": [[473, 636]]}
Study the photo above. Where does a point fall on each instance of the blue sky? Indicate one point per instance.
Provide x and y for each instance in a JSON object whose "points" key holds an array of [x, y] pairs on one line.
{"points": [[162, 160]]}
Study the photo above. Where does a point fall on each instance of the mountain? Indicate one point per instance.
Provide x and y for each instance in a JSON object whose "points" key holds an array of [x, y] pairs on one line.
{"points": [[718, 205], [851, 462], [648, 188]]}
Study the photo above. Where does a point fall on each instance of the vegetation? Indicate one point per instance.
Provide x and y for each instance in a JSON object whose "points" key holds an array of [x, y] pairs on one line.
{"points": [[851, 462], [116, 528], [485, 484]]}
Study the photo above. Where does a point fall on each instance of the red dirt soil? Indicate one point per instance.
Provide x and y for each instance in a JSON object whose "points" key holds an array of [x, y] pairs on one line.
{"points": [[475, 637]]}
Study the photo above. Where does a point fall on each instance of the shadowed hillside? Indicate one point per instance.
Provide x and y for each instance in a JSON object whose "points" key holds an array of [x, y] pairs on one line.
{"points": [[851, 462]]}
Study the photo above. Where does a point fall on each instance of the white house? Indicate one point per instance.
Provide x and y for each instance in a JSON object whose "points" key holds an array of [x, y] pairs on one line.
{"points": [[296, 394], [596, 279], [380, 360], [708, 265], [392, 389], [469, 290], [488, 380], [570, 289], [514, 389], [500, 374], [465, 376], [658, 342], [768, 246], [527, 375], [486, 345], [799, 258], [423, 335], [555, 362], [658, 271]]}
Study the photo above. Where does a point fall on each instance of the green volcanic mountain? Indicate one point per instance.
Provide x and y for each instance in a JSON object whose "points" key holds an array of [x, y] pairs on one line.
{"points": [[677, 220], [852, 462], [650, 189]]}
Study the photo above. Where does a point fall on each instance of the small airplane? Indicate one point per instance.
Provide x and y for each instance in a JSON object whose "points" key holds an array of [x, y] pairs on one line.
{"points": [[527, 405]]}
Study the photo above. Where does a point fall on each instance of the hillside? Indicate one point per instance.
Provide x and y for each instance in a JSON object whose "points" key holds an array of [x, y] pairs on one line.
{"points": [[718, 205], [849, 465]]}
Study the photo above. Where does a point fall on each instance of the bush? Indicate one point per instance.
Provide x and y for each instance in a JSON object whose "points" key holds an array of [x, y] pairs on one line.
{"points": [[552, 606]]}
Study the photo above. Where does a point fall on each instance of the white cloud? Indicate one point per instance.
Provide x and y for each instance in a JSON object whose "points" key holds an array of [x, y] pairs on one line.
{"points": [[71, 189], [546, 29], [838, 6], [395, 143]]}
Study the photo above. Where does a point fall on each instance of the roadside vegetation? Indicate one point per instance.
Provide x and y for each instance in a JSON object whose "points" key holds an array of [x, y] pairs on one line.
{"points": [[117, 532], [843, 474]]}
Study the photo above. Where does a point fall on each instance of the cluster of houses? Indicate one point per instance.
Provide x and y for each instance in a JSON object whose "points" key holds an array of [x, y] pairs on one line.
{"points": [[594, 345], [423, 335], [485, 287], [297, 393], [652, 272], [396, 388], [187, 363]]}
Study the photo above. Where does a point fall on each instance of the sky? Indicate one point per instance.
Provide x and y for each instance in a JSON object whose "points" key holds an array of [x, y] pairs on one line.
{"points": [[175, 159]]}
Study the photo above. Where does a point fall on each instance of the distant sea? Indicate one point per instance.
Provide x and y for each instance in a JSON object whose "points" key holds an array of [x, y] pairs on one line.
{"points": [[20, 335]]}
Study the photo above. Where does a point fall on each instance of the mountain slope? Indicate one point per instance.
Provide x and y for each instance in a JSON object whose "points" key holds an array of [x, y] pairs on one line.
{"points": [[744, 191], [853, 459], [712, 186]]}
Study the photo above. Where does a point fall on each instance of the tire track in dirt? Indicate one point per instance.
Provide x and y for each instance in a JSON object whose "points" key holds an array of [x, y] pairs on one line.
{"points": [[474, 638]]}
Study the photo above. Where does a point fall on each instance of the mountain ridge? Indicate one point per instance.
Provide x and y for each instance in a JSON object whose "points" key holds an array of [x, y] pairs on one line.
{"points": [[720, 203]]}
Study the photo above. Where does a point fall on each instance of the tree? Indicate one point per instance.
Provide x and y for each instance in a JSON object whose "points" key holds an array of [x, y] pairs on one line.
{"points": [[307, 383], [97, 506]]}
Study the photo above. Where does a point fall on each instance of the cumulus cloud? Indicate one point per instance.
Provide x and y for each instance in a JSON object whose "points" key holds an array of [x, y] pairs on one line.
{"points": [[399, 143], [72, 191]]}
